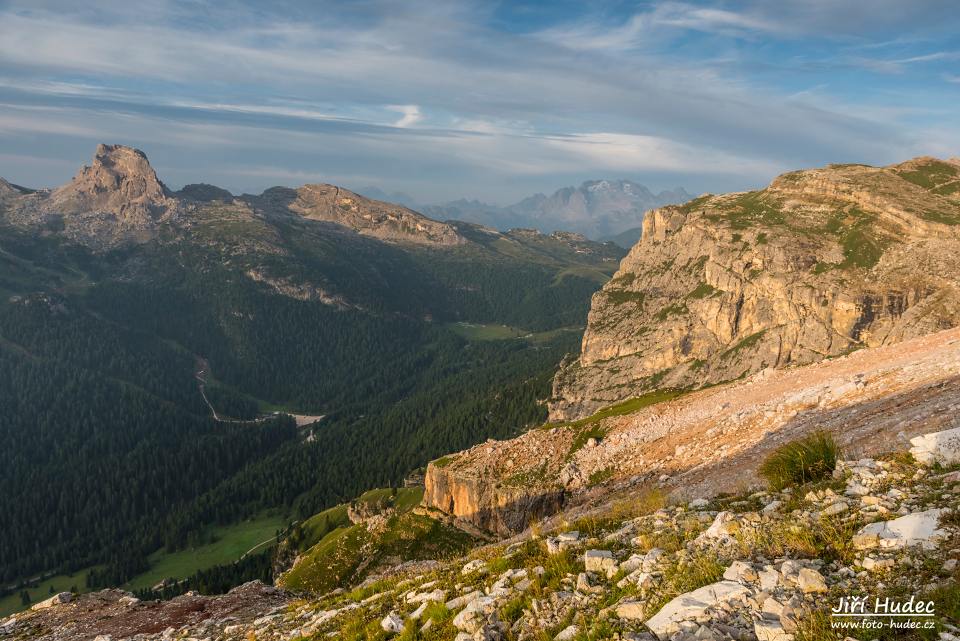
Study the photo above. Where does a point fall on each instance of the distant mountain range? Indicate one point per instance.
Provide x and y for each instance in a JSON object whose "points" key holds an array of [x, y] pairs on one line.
{"points": [[599, 209]]}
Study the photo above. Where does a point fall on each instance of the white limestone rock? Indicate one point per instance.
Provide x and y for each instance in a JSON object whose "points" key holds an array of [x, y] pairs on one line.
{"points": [[567, 634], [601, 562], [937, 447], [919, 528], [473, 566], [694, 605], [56, 599], [392, 623], [722, 529]]}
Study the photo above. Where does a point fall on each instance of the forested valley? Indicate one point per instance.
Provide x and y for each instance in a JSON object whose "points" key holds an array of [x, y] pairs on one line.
{"points": [[111, 452]]}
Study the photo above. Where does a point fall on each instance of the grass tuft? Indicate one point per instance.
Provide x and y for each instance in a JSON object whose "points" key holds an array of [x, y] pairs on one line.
{"points": [[812, 458]]}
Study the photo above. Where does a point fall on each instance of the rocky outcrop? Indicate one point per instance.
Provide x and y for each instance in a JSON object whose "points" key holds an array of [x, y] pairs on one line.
{"points": [[939, 447], [120, 180], [820, 263], [480, 499]]}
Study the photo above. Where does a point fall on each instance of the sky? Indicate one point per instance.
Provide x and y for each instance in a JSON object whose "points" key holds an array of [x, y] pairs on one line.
{"points": [[488, 100]]}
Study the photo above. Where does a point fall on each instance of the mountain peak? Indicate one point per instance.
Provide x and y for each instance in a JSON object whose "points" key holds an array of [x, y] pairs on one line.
{"points": [[117, 196], [118, 177]]}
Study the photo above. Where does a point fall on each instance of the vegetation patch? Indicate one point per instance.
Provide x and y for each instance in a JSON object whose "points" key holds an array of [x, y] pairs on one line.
{"points": [[347, 555], [695, 204], [592, 431], [934, 175], [702, 290], [751, 209], [600, 476], [677, 309], [746, 343], [854, 230], [622, 297], [227, 544], [444, 461], [811, 458], [624, 280], [625, 407]]}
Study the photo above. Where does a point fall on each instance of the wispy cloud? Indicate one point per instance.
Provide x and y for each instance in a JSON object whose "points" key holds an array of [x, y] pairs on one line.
{"points": [[440, 95], [411, 115], [900, 65]]}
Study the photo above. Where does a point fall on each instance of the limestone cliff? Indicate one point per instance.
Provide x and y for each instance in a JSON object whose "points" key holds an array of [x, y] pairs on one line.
{"points": [[819, 263], [479, 490]]}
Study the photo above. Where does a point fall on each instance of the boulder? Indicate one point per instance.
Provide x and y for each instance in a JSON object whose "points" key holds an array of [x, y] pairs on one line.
{"points": [[694, 605], [473, 566], [937, 447], [567, 634], [458, 602], [635, 562], [740, 571], [919, 528], [564, 540], [722, 529], [392, 623], [475, 616], [834, 509], [601, 562], [771, 631], [631, 610], [426, 597], [56, 599], [769, 578], [811, 581]]}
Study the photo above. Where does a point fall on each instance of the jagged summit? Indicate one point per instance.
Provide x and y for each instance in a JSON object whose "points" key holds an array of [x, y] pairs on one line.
{"points": [[119, 179]]}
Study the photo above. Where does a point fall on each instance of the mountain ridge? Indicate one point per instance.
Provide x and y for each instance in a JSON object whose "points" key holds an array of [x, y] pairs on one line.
{"points": [[118, 199]]}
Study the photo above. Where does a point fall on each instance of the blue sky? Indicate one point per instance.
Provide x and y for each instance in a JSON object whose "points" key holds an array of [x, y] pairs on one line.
{"points": [[443, 99]]}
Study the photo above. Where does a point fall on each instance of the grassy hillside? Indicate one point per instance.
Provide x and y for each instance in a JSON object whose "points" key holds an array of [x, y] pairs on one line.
{"points": [[346, 553], [229, 544]]}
